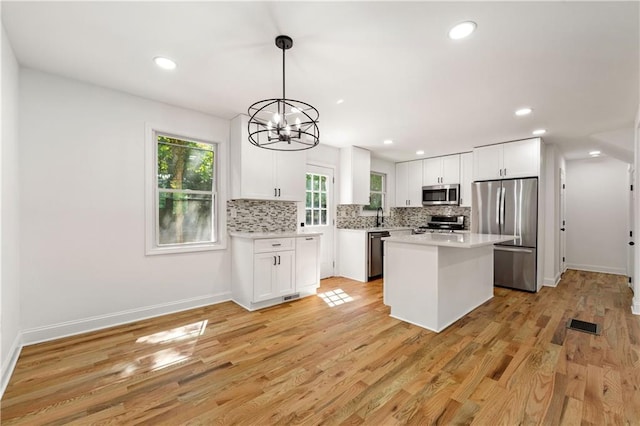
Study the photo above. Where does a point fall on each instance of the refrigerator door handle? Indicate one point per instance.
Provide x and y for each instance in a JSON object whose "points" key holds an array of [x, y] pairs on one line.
{"points": [[514, 250], [501, 214]]}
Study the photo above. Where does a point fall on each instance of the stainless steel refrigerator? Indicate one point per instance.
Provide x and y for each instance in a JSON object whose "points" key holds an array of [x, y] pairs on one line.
{"points": [[509, 207]]}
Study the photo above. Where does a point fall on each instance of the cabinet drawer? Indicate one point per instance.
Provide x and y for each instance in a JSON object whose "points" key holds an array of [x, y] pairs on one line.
{"points": [[273, 244]]}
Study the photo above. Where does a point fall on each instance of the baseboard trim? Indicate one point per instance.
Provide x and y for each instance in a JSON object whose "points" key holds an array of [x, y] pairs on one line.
{"points": [[70, 328], [552, 282], [635, 305], [598, 268], [10, 363]]}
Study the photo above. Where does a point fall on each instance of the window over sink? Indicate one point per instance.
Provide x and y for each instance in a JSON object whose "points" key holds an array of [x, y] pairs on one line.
{"points": [[377, 192]]}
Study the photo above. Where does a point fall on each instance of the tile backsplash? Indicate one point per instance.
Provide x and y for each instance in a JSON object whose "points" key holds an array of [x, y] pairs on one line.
{"points": [[261, 216], [348, 216]]}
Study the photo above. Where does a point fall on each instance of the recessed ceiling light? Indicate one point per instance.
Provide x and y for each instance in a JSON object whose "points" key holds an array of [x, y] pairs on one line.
{"points": [[339, 101], [164, 63], [524, 111], [462, 30], [387, 142], [539, 132], [594, 153], [421, 152]]}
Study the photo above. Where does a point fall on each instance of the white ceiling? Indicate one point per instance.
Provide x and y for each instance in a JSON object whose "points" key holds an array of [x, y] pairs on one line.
{"points": [[576, 64]]}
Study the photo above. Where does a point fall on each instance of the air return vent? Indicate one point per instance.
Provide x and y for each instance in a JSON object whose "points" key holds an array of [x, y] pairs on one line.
{"points": [[291, 297], [587, 327]]}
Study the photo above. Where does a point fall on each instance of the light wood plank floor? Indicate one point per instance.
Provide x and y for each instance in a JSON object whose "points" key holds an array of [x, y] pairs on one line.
{"points": [[511, 361]]}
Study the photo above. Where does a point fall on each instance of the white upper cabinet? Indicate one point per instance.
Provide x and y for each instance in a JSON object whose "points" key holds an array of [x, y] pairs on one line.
{"points": [[262, 174], [409, 184], [466, 178], [441, 170], [507, 160], [355, 172]]}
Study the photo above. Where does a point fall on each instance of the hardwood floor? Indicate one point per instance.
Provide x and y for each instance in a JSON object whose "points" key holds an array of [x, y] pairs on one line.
{"points": [[511, 361]]}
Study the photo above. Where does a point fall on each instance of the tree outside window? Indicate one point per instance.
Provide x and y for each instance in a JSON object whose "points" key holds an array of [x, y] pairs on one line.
{"points": [[185, 196], [377, 189]]}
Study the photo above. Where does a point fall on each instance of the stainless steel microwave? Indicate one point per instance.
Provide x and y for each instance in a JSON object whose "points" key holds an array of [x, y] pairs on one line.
{"points": [[441, 195]]}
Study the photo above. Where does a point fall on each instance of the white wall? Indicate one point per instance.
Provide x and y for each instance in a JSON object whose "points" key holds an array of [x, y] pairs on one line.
{"points": [[82, 207], [9, 217], [597, 200]]}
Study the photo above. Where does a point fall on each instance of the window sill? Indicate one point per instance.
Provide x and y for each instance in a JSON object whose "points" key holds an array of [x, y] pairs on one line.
{"points": [[186, 249]]}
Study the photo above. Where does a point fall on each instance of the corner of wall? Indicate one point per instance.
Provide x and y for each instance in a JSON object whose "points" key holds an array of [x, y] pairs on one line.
{"points": [[9, 364]]}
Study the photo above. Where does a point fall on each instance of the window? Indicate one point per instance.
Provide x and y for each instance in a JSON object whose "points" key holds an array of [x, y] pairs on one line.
{"points": [[316, 200], [377, 187], [184, 195]]}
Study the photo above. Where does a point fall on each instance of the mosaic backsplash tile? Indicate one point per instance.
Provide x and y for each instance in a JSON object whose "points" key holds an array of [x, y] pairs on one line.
{"points": [[261, 216], [348, 216]]}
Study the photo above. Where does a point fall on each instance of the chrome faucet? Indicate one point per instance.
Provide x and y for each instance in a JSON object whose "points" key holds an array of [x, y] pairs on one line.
{"points": [[379, 217]]}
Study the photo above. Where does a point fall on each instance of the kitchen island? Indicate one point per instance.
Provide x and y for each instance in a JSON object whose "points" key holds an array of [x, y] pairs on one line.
{"points": [[432, 280]]}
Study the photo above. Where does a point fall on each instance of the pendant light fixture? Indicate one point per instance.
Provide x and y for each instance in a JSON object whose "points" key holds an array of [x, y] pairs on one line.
{"points": [[283, 124]]}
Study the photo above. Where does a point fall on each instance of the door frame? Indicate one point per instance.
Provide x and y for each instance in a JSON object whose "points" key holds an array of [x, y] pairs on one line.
{"points": [[563, 221], [332, 210]]}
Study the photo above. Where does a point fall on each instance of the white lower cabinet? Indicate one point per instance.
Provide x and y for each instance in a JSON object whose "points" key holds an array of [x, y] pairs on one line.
{"points": [[268, 271], [273, 275]]}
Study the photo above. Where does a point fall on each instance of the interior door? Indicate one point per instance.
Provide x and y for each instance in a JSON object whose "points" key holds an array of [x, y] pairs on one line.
{"points": [[631, 250], [319, 213], [563, 222]]}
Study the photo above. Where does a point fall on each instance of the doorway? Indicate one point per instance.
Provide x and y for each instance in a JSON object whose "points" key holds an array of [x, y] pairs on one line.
{"points": [[319, 211]]}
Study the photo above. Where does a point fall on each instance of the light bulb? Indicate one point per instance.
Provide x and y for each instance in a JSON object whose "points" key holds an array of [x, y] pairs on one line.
{"points": [[269, 125], [276, 118], [287, 130], [298, 122]]}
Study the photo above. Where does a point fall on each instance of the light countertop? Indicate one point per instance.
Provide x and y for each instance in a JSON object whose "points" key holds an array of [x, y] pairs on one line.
{"points": [[284, 234], [460, 240], [379, 228]]}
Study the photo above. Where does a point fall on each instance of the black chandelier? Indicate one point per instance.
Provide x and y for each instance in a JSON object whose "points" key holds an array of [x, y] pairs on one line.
{"points": [[283, 124]]}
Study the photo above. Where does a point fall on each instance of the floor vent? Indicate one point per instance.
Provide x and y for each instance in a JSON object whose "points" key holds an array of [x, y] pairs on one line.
{"points": [[587, 327], [291, 297]]}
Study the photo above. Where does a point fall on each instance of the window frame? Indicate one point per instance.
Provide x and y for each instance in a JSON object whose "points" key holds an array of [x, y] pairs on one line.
{"points": [[366, 212], [152, 246]]}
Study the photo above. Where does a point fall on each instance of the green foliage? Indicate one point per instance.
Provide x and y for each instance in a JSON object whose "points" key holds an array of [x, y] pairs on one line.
{"points": [[184, 164]]}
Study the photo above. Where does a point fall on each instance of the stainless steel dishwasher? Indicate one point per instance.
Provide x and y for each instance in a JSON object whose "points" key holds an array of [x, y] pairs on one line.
{"points": [[374, 254]]}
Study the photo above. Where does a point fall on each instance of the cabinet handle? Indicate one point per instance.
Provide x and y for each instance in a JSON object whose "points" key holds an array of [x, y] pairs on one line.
{"points": [[309, 239], [505, 172], [500, 172], [275, 192], [278, 259], [279, 194], [274, 260], [276, 245]]}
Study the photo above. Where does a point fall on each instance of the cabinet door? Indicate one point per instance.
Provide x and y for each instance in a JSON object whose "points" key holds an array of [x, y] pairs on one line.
{"points": [[402, 184], [450, 169], [487, 162], [285, 273], [307, 262], [431, 171], [466, 166], [264, 265], [257, 173], [521, 158], [414, 182], [290, 169]]}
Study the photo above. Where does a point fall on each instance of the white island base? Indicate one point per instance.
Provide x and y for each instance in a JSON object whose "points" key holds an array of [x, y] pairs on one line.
{"points": [[433, 280]]}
